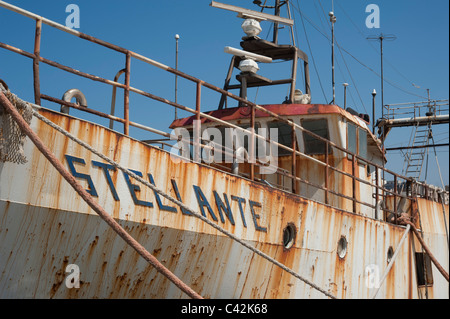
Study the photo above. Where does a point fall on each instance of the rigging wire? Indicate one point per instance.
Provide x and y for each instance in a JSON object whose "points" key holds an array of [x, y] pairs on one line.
{"points": [[364, 65], [294, 35], [320, 17], [345, 80], [356, 59], [346, 66], [310, 50], [437, 162], [351, 77], [337, 61], [374, 48]]}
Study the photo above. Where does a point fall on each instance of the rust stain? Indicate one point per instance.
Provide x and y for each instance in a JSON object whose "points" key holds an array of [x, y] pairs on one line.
{"points": [[53, 223]]}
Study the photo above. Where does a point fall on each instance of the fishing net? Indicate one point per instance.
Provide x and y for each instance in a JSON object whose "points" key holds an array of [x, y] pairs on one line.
{"points": [[12, 138]]}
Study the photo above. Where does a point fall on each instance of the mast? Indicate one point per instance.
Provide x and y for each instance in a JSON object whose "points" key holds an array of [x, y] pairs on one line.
{"points": [[275, 25], [333, 21], [277, 13], [177, 37], [381, 38], [254, 45]]}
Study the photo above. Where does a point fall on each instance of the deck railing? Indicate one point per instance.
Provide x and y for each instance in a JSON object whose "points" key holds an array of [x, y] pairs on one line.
{"points": [[380, 192], [414, 110]]}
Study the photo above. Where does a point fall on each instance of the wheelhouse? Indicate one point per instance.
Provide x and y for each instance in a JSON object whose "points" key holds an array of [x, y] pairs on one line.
{"points": [[317, 158]]}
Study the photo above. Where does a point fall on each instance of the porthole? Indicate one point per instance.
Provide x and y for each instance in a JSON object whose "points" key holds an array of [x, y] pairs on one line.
{"points": [[289, 236], [342, 247], [390, 254]]}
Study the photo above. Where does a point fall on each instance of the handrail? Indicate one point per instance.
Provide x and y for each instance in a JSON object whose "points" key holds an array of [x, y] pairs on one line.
{"points": [[197, 111], [416, 109]]}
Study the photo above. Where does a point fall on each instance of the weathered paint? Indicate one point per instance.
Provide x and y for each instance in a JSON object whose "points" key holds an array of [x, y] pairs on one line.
{"points": [[236, 113], [313, 169], [45, 226]]}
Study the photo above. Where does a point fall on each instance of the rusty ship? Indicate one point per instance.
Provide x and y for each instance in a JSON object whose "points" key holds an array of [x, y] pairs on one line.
{"points": [[295, 205]]}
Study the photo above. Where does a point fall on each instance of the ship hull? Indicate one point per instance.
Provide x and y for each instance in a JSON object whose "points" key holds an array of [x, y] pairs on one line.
{"points": [[46, 230]]}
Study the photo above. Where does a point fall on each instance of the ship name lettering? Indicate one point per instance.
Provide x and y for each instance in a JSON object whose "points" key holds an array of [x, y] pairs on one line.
{"points": [[223, 201]]}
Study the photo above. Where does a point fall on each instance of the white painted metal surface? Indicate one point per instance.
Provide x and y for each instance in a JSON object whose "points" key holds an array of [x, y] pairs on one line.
{"points": [[44, 227]]}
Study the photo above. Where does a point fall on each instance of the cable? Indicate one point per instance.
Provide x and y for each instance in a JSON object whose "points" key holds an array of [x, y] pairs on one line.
{"points": [[343, 59], [437, 163], [373, 47], [312, 56], [394, 85], [337, 61], [356, 59], [165, 195]]}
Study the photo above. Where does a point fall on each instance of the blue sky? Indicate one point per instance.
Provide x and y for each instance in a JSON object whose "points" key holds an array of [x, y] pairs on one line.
{"points": [[419, 55]]}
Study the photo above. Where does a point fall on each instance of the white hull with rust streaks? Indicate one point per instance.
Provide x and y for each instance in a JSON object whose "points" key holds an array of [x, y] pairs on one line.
{"points": [[45, 226]]}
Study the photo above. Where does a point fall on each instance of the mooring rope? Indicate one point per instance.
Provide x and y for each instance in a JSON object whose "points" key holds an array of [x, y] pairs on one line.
{"points": [[177, 202], [25, 128]]}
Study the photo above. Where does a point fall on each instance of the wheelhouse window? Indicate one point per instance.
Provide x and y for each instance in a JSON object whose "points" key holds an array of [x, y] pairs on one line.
{"points": [[351, 138], [362, 145], [284, 136], [314, 146], [356, 140]]}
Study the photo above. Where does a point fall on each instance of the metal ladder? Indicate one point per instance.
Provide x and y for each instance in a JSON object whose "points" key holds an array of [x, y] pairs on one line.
{"points": [[416, 155]]}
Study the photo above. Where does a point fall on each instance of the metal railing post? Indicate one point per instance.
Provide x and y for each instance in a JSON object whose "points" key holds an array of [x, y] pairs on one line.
{"points": [[376, 193], [197, 128], [294, 161], [326, 174], [252, 145], [126, 112], [395, 198], [37, 50], [354, 182]]}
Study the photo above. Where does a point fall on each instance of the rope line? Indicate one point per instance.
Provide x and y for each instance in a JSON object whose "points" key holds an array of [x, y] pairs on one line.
{"points": [[180, 204], [115, 226], [175, 201]]}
